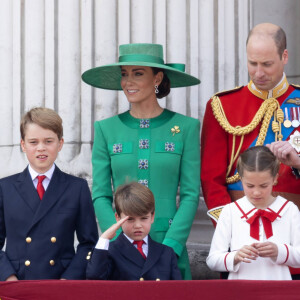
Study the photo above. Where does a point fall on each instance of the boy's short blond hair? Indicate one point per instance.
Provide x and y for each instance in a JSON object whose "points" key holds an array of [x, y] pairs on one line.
{"points": [[45, 117], [134, 199]]}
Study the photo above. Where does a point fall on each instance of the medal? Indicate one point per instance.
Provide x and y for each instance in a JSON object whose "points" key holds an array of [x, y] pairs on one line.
{"points": [[295, 122], [287, 123]]}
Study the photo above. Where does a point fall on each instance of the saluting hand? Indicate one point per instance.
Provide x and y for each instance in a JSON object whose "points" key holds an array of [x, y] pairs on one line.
{"points": [[110, 233]]}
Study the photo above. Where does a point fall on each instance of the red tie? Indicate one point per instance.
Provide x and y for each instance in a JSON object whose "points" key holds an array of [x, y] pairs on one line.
{"points": [[139, 247], [267, 219], [40, 188]]}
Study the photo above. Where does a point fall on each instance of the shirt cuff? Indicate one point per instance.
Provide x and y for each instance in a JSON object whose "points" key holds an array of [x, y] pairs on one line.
{"points": [[229, 262], [102, 244], [283, 254]]}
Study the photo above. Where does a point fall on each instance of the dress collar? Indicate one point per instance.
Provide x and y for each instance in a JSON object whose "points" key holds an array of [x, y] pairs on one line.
{"points": [[247, 209], [276, 92], [135, 123]]}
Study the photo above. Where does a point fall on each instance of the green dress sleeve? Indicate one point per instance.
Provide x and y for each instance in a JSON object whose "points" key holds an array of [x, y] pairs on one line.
{"points": [[102, 187], [178, 232]]}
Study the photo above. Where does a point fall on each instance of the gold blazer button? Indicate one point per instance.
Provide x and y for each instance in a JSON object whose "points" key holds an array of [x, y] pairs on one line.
{"points": [[141, 279], [28, 240], [52, 262], [53, 239], [27, 263]]}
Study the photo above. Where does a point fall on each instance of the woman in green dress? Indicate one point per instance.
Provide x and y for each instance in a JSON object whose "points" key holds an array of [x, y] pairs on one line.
{"points": [[154, 146]]}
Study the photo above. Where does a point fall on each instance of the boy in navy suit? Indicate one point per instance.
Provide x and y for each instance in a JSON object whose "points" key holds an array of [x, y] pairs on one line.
{"points": [[133, 255], [42, 207]]}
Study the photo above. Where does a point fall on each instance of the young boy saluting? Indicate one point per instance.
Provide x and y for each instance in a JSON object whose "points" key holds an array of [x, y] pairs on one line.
{"points": [[133, 255], [42, 207]]}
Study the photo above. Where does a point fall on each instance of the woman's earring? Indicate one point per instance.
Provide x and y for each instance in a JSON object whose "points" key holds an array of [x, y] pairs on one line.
{"points": [[156, 89]]}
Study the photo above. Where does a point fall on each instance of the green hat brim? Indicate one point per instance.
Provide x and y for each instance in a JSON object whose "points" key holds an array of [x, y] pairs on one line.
{"points": [[109, 76]]}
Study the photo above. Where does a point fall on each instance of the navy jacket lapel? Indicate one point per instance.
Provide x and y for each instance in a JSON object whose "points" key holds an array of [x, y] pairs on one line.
{"points": [[27, 191], [154, 254], [57, 186], [129, 251]]}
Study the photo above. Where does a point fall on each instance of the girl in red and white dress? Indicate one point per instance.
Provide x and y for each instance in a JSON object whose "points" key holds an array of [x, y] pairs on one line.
{"points": [[261, 231]]}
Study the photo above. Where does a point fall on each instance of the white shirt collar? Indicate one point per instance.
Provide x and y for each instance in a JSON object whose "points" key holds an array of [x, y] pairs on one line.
{"points": [[145, 239], [34, 173]]}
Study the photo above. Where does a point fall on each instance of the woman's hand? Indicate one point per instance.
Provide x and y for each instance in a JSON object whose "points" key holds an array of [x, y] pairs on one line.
{"points": [[110, 233], [246, 254], [267, 249]]}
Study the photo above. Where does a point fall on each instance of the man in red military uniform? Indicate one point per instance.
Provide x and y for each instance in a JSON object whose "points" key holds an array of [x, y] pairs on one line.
{"points": [[237, 119], [263, 112]]}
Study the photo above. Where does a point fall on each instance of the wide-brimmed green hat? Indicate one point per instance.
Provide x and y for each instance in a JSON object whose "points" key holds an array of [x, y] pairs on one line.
{"points": [[149, 55]]}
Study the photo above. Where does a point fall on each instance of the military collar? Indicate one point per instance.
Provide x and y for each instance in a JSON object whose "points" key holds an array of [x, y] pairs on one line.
{"points": [[278, 91]]}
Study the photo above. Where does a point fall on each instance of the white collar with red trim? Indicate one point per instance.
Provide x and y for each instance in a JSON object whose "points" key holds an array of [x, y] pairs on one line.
{"points": [[247, 209]]}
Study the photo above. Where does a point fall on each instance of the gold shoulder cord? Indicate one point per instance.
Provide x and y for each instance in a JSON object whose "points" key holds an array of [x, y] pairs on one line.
{"points": [[267, 109]]}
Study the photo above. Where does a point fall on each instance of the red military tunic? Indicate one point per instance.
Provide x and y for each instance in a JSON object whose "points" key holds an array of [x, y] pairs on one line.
{"points": [[240, 106]]}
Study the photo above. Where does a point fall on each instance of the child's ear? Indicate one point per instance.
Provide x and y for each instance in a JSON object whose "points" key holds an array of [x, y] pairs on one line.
{"points": [[117, 217], [276, 179], [152, 217], [23, 145], [61, 143]]}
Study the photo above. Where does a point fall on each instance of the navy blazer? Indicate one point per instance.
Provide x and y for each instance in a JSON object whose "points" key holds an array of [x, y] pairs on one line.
{"points": [[40, 233], [122, 261]]}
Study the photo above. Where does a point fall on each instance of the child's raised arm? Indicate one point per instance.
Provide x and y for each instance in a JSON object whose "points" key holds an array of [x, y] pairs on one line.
{"points": [[110, 233]]}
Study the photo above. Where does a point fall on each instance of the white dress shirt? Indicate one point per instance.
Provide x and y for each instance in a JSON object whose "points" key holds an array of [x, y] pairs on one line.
{"points": [[48, 175]]}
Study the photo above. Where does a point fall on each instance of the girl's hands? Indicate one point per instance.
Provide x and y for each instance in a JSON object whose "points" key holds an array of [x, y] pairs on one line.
{"points": [[246, 254], [251, 252], [267, 249]]}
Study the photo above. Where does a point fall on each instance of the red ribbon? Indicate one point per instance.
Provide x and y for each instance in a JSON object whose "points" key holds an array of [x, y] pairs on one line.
{"points": [[267, 219]]}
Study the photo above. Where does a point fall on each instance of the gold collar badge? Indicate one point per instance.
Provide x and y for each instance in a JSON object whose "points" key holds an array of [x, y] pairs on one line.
{"points": [[175, 129]]}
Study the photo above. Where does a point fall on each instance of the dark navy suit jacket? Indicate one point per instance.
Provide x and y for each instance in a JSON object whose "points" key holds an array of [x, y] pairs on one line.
{"points": [[122, 261], [40, 233]]}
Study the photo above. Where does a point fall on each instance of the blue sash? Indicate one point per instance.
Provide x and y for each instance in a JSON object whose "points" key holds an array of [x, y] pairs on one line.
{"points": [[270, 137]]}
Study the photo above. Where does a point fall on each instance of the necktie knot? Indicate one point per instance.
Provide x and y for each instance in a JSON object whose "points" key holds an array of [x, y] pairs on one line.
{"points": [[40, 188], [41, 178], [140, 248], [139, 243]]}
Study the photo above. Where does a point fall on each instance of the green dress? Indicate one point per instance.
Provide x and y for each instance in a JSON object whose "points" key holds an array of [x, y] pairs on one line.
{"points": [[161, 153]]}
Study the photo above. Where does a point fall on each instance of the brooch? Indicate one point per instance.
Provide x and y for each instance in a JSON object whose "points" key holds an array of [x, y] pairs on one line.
{"points": [[175, 129], [169, 146]]}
